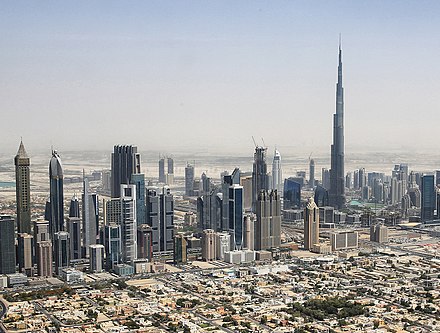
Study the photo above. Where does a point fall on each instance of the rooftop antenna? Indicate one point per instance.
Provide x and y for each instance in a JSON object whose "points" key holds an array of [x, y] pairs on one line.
{"points": [[254, 142], [263, 142], [340, 41]]}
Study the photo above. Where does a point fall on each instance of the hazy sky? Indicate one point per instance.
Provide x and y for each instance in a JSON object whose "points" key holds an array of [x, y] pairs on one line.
{"points": [[167, 75]]}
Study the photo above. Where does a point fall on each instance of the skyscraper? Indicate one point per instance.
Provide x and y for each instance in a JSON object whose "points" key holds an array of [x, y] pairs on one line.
{"points": [[189, 180], [168, 165], [162, 177], [268, 224], [337, 173], [25, 254], [22, 190], [56, 216], [160, 217], [43, 248], [292, 194], [96, 257], [125, 162], [61, 251], [139, 181], [74, 207], [180, 249], [74, 230], [145, 242], [236, 216], [90, 215], [311, 225], [7, 244], [428, 198], [259, 174], [312, 173], [277, 176], [209, 245]]}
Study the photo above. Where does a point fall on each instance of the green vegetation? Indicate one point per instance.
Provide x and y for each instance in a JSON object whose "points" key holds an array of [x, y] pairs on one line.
{"points": [[38, 294], [319, 309]]}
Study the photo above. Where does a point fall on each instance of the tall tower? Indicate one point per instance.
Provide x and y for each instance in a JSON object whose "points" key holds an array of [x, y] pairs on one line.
{"points": [[189, 179], [268, 224], [337, 174], [312, 173], [22, 190], [311, 225], [74, 207], [259, 174], [277, 176], [56, 213], [7, 245], [90, 216], [125, 162]]}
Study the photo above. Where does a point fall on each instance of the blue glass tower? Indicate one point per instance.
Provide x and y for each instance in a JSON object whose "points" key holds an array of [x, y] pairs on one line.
{"points": [[236, 216], [292, 194], [139, 180], [428, 198]]}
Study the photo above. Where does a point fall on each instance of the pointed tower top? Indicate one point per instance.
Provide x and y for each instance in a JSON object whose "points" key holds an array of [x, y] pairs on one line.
{"points": [[22, 151], [340, 42]]}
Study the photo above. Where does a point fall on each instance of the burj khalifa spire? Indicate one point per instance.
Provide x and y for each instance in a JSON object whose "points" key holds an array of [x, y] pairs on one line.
{"points": [[337, 174]]}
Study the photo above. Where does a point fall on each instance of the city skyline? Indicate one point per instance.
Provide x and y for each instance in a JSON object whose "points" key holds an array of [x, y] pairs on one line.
{"points": [[206, 63]]}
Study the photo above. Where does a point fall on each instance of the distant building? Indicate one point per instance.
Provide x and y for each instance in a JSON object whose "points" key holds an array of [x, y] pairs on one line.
{"points": [[61, 251], [56, 213], [292, 194], [321, 196], [312, 173], [249, 232], [180, 249], [43, 248], [23, 190], [166, 170], [268, 221], [74, 230], [259, 174], [145, 242], [90, 218], [209, 245], [189, 180], [96, 257], [7, 244], [160, 217], [25, 254], [74, 210], [139, 181], [277, 174], [126, 161], [428, 198], [311, 225], [379, 233], [223, 244], [344, 240], [112, 244], [236, 215]]}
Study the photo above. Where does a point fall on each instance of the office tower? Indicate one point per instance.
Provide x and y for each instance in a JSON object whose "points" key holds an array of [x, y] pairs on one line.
{"points": [[61, 251], [362, 178], [356, 179], [56, 216], [209, 245], [428, 204], [7, 244], [145, 242], [325, 176], [378, 233], [162, 177], [43, 248], [106, 181], [259, 174], [378, 190], [139, 181], [226, 183], [189, 180], [348, 180], [160, 214], [277, 175], [23, 190], [170, 173], [223, 244], [112, 243], [291, 194], [344, 240], [249, 232], [74, 207], [268, 223], [25, 254], [125, 162], [180, 249], [235, 218], [209, 210], [311, 225], [312, 173], [337, 174], [122, 212], [246, 182], [321, 196], [74, 230], [96, 257], [90, 218]]}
